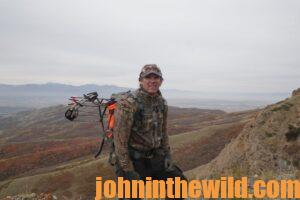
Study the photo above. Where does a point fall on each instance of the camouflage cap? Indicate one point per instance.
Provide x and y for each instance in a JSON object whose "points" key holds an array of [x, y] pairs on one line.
{"points": [[150, 69]]}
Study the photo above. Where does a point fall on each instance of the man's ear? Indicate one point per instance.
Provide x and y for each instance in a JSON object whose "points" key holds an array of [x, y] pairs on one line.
{"points": [[140, 82], [161, 81]]}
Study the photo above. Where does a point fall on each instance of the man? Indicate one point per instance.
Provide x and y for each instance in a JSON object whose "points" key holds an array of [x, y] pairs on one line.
{"points": [[140, 133]]}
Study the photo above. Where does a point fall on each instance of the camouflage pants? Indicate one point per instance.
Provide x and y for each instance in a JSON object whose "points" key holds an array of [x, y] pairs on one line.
{"points": [[152, 167]]}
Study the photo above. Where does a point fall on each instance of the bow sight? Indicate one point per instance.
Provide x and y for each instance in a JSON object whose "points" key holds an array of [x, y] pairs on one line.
{"points": [[105, 107]]}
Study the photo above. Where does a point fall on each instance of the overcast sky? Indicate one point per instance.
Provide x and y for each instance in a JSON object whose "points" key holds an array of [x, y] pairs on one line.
{"points": [[217, 46]]}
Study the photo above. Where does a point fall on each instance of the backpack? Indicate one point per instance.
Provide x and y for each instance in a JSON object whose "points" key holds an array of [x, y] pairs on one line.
{"points": [[111, 119]]}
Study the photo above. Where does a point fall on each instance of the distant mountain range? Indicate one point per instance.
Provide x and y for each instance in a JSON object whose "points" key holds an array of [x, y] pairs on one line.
{"points": [[23, 97]]}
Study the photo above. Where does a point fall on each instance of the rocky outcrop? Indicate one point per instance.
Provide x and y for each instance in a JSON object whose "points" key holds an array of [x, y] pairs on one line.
{"points": [[296, 92]]}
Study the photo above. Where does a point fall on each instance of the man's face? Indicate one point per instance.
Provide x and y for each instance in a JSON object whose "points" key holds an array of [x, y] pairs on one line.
{"points": [[151, 83]]}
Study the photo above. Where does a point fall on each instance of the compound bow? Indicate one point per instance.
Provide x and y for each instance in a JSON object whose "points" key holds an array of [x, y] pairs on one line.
{"points": [[104, 105]]}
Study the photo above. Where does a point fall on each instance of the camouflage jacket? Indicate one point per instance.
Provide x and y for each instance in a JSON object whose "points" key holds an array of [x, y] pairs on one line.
{"points": [[141, 123]]}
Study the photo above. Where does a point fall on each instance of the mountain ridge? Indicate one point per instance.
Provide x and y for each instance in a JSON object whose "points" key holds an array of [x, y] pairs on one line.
{"points": [[14, 97]]}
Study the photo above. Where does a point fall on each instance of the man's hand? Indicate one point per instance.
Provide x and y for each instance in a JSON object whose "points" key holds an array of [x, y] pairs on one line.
{"points": [[169, 165], [131, 175]]}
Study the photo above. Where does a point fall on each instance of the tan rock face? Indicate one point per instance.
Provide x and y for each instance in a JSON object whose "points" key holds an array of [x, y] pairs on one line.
{"points": [[268, 146]]}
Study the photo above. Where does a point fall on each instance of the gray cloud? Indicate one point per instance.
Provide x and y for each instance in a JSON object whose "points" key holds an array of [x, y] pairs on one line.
{"points": [[200, 45]]}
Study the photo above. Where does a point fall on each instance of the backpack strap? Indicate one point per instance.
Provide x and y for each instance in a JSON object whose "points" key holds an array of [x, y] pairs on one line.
{"points": [[140, 107]]}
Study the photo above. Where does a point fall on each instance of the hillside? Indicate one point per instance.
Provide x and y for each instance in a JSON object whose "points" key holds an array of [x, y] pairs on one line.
{"points": [[51, 124], [41, 145], [44, 137], [268, 147]]}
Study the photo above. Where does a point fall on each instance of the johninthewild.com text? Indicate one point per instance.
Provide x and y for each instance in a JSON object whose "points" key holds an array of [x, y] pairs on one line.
{"points": [[225, 187]]}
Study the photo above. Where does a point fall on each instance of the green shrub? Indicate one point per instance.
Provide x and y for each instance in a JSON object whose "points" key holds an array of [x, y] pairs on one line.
{"points": [[293, 133], [285, 107]]}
